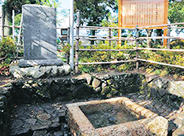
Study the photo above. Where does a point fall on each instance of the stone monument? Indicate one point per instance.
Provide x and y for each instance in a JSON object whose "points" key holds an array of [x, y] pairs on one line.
{"points": [[39, 33], [40, 47]]}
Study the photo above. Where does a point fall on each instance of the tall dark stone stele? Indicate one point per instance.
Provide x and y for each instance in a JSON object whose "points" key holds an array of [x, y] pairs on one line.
{"points": [[39, 33]]}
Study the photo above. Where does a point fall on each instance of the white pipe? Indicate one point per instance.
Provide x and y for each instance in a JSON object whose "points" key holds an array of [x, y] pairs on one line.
{"points": [[72, 34]]}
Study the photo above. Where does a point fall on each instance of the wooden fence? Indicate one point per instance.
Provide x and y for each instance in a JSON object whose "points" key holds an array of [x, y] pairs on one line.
{"points": [[110, 38], [136, 39]]}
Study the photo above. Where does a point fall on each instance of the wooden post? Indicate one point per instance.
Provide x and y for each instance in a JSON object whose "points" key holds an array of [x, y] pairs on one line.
{"points": [[109, 36], [168, 34], [119, 35], [2, 20], [68, 43], [68, 35], [137, 44], [165, 40], [119, 20], [13, 24], [20, 29], [77, 42], [110, 42]]}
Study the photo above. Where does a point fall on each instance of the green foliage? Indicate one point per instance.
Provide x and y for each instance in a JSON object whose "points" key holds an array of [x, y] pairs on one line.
{"points": [[18, 19], [92, 12], [176, 12], [7, 50], [66, 48], [50, 3], [16, 5], [64, 52], [105, 56], [110, 22], [7, 47], [175, 58]]}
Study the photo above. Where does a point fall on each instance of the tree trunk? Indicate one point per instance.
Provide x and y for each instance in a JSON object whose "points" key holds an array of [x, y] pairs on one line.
{"points": [[7, 21]]}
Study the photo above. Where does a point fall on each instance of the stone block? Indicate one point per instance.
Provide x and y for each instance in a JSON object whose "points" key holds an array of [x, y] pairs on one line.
{"points": [[132, 88], [40, 71], [105, 90], [158, 126], [179, 132], [89, 80], [82, 91], [96, 83], [48, 62]]}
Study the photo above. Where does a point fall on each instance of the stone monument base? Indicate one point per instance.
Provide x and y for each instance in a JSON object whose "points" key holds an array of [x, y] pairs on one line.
{"points": [[46, 62], [39, 71]]}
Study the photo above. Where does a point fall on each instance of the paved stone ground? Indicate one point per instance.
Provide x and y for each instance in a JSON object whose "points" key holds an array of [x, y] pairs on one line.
{"points": [[152, 104], [48, 119], [162, 109]]}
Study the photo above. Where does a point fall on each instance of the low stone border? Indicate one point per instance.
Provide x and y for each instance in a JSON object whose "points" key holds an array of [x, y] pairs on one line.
{"points": [[170, 92], [44, 90]]}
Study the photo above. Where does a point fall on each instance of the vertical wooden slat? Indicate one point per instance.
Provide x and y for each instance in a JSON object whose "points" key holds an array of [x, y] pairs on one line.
{"points": [[119, 20], [2, 20], [13, 24], [165, 20], [68, 42], [68, 35], [120, 13], [20, 29], [165, 40], [168, 34], [137, 44], [77, 43], [109, 37], [110, 42]]}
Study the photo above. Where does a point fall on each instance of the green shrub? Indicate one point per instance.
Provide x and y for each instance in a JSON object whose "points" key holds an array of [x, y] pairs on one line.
{"points": [[105, 56], [7, 50], [175, 58]]}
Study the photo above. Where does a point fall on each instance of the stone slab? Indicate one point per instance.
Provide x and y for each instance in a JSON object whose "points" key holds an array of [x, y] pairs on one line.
{"points": [[49, 62], [39, 32]]}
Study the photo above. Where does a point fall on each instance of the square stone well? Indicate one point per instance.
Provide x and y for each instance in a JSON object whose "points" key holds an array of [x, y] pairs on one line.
{"points": [[114, 117]]}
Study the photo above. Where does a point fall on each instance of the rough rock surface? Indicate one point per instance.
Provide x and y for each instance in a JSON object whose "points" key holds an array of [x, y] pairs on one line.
{"points": [[39, 71]]}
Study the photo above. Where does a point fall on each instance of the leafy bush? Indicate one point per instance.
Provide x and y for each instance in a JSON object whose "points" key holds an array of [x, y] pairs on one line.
{"points": [[106, 56], [7, 50], [63, 52], [175, 58]]}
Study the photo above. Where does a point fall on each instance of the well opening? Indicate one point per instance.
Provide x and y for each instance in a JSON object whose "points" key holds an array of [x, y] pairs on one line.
{"points": [[107, 114], [114, 116]]}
